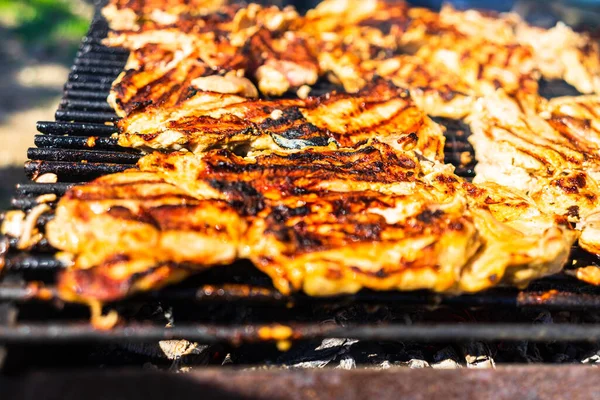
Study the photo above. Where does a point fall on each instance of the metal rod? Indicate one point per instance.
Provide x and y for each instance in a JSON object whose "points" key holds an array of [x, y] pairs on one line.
{"points": [[103, 56], [95, 48], [85, 116], [74, 128], [100, 87], [25, 203], [80, 142], [99, 63], [85, 94], [550, 299], [72, 172], [36, 189], [50, 154], [92, 69], [77, 77], [237, 334], [40, 247], [85, 105]]}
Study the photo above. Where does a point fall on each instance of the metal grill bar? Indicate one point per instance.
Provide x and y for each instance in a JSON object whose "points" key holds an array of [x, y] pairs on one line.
{"points": [[22, 262], [549, 299], [85, 94], [58, 188], [100, 87], [72, 115], [94, 156], [100, 63], [95, 70], [74, 128], [77, 77], [79, 142], [41, 247], [83, 332], [72, 172], [100, 49], [86, 105], [102, 56], [25, 203]]}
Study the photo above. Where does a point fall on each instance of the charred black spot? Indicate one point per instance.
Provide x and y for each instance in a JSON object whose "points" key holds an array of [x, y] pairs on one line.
{"points": [[447, 95], [282, 213], [429, 216], [573, 211], [456, 226], [385, 26], [241, 195], [121, 212]]}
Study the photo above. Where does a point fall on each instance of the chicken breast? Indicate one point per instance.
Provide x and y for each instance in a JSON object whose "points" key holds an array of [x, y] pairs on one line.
{"points": [[209, 120], [130, 15], [562, 53], [552, 156], [133, 231]]}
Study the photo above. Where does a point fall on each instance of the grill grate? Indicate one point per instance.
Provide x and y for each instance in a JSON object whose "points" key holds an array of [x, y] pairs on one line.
{"points": [[78, 147]]}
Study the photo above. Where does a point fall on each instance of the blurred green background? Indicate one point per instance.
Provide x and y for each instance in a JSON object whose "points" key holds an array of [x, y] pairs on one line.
{"points": [[50, 29], [38, 41]]}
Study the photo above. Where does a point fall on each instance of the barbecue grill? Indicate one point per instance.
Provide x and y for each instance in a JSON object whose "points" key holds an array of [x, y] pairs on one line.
{"points": [[236, 305]]}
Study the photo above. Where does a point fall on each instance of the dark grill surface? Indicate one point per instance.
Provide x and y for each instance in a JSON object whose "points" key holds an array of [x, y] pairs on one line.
{"points": [[237, 304]]}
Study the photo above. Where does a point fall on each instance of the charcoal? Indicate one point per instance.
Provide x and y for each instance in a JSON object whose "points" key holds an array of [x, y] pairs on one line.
{"points": [[477, 355], [414, 363], [446, 358], [347, 362]]}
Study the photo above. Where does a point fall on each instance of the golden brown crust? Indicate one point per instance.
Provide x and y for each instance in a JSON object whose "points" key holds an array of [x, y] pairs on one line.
{"points": [[129, 231], [552, 156], [323, 221], [380, 111]]}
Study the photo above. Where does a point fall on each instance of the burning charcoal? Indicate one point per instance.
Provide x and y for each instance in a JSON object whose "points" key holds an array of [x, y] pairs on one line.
{"points": [[477, 355], [347, 362], [176, 349], [227, 360], [414, 363], [373, 354], [308, 356], [446, 358], [593, 360]]}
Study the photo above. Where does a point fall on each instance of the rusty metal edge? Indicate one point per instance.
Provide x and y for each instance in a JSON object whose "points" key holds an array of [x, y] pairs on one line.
{"points": [[509, 382]]}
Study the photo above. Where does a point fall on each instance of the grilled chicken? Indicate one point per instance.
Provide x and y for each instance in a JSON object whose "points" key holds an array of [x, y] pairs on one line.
{"points": [[133, 231], [207, 120], [553, 156], [250, 42], [131, 14], [562, 53], [325, 222]]}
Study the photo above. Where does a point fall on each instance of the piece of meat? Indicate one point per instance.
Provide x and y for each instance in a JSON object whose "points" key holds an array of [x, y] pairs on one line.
{"points": [[340, 243], [379, 111], [436, 89], [325, 222], [250, 42], [562, 53], [281, 63], [552, 156], [133, 231], [131, 14]]}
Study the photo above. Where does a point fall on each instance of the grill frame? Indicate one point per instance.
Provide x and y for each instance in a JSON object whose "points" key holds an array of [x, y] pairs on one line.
{"points": [[78, 147]]}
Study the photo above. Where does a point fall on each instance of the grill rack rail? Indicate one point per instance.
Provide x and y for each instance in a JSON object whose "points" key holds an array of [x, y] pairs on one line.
{"points": [[78, 147]]}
